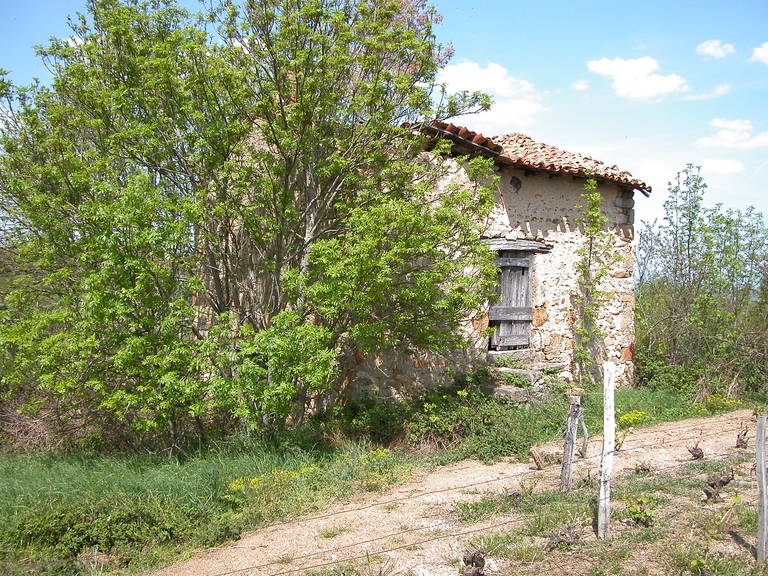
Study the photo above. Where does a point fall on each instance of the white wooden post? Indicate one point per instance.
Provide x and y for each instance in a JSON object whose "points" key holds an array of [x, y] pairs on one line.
{"points": [[762, 497], [609, 445], [569, 448]]}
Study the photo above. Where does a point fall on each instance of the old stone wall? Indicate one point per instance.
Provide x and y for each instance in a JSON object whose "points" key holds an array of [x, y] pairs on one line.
{"points": [[542, 207], [405, 374]]}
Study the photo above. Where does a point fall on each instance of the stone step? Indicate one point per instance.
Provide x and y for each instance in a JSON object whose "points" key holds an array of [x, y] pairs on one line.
{"points": [[512, 394], [523, 355], [507, 392], [534, 376]]}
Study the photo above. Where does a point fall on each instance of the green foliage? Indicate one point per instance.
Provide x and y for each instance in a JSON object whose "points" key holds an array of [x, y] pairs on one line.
{"points": [[718, 403], [444, 418], [696, 559], [55, 508], [653, 373], [498, 545], [642, 511], [487, 506], [468, 423], [631, 419], [572, 508], [507, 362], [196, 227], [461, 421], [67, 529], [656, 405], [501, 430], [513, 379], [369, 419], [332, 531], [701, 296], [269, 366]]}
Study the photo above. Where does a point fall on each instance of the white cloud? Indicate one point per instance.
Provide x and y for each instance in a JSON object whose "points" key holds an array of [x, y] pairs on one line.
{"points": [[635, 79], [760, 54], [580, 85], [719, 90], [242, 44], [494, 78], [733, 134], [73, 41], [719, 166], [732, 124], [715, 48], [516, 102]]}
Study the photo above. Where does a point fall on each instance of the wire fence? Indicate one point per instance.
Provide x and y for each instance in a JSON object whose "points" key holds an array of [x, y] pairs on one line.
{"points": [[408, 538]]}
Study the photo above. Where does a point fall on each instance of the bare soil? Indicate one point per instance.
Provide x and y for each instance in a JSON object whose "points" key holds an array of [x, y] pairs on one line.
{"points": [[414, 528]]}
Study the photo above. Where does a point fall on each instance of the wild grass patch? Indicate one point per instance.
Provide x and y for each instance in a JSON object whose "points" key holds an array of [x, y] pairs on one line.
{"points": [[494, 543], [129, 512], [56, 509], [489, 505], [698, 559]]}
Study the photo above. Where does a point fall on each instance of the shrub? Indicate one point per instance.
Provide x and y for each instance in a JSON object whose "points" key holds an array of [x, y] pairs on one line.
{"points": [[513, 379], [379, 421], [719, 403], [631, 419], [654, 373], [472, 424], [507, 362]]}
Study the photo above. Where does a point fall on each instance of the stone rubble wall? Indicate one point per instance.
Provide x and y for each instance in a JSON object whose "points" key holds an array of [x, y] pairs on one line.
{"points": [[541, 207], [405, 374]]}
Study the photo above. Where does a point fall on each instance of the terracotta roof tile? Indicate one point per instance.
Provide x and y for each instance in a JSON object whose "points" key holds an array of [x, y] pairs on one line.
{"points": [[520, 151]]}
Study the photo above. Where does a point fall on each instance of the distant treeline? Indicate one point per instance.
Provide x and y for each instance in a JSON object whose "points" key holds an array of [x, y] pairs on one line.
{"points": [[702, 296]]}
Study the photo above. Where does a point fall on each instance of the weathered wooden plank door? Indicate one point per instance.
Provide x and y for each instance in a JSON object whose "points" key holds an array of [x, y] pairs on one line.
{"points": [[511, 316]]}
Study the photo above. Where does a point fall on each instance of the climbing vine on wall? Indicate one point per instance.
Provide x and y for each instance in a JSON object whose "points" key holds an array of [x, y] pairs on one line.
{"points": [[595, 257]]}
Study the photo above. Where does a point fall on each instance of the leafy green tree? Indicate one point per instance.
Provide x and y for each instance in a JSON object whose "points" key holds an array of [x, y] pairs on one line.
{"points": [[701, 295], [98, 184], [204, 225]]}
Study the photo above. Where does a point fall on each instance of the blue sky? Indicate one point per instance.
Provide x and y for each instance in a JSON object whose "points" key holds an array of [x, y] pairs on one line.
{"points": [[647, 86]]}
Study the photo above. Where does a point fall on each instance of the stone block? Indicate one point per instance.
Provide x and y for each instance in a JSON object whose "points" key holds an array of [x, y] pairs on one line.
{"points": [[523, 355], [539, 316], [512, 394]]}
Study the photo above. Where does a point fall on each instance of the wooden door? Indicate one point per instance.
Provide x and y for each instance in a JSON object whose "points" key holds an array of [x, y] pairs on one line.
{"points": [[511, 315]]}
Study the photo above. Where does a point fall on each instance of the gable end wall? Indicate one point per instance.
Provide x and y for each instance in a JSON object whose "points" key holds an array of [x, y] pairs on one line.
{"points": [[530, 206], [542, 207]]}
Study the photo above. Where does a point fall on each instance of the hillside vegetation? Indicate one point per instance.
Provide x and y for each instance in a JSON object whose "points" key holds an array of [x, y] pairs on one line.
{"points": [[143, 510], [202, 215], [702, 297]]}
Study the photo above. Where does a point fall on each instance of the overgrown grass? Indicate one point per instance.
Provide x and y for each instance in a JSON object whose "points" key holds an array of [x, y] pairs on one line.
{"points": [[147, 510], [683, 535], [457, 422], [487, 506], [58, 512], [638, 407]]}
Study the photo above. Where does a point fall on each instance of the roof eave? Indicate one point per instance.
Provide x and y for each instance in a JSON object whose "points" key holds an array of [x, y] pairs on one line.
{"points": [[467, 142], [508, 162]]}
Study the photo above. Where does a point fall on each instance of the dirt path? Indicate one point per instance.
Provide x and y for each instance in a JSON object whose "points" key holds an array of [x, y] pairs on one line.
{"points": [[415, 525]]}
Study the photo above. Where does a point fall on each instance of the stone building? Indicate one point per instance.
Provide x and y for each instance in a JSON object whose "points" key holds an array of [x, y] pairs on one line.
{"points": [[534, 230]]}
